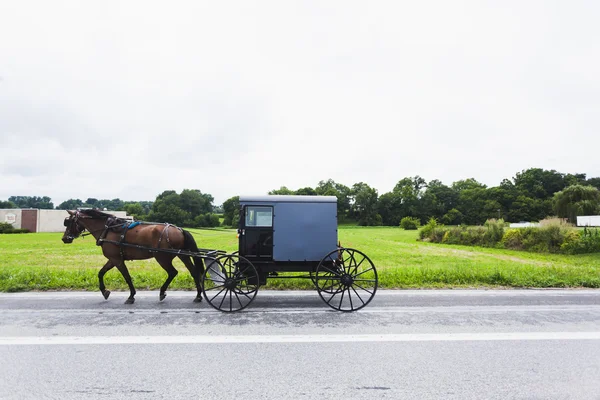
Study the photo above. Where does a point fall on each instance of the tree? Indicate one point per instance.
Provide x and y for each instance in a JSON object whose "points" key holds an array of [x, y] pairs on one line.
{"points": [[281, 191], [409, 192], [231, 211], [195, 202], [389, 206], [472, 197], [306, 191], [437, 200], [453, 217], [44, 202], [577, 200], [595, 182], [71, 204], [135, 210], [7, 204], [365, 204], [180, 209]]}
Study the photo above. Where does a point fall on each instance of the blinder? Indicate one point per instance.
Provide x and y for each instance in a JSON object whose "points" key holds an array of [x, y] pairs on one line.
{"points": [[66, 223]]}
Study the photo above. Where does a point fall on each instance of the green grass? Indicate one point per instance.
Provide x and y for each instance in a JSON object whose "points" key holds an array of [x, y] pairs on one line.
{"points": [[42, 262]]}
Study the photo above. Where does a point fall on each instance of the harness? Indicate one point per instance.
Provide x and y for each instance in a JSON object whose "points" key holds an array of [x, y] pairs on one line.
{"points": [[120, 225]]}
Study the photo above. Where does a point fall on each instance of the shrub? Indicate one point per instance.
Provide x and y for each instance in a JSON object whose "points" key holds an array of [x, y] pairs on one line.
{"points": [[586, 241], [474, 236], [432, 231], [454, 235], [425, 232], [5, 227], [494, 231], [17, 230], [410, 223], [513, 239]]}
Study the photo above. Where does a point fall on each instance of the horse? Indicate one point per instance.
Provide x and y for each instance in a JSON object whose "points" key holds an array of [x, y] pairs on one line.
{"points": [[122, 240]]}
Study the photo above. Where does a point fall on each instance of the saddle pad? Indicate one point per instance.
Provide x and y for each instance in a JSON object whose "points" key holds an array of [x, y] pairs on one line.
{"points": [[133, 224]]}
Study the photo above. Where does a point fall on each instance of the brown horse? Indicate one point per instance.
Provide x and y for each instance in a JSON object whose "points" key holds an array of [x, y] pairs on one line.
{"points": [[120, 240]]}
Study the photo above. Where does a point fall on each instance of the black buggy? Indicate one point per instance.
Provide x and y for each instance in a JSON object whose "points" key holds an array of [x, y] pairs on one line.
{"points": [[283, 235]]}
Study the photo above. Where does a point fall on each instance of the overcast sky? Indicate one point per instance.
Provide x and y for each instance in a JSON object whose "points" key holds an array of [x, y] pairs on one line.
{"points": [[127, 99]]}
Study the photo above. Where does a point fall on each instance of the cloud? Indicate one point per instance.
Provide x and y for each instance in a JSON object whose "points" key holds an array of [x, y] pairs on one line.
{"points": [[129, 99]]}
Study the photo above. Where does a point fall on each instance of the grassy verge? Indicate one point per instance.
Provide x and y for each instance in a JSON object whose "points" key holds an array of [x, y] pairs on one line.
{"points": [[42, 262]]}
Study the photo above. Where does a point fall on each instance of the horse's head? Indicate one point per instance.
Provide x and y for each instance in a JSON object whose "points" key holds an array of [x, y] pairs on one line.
{"points": [[73, 227]]}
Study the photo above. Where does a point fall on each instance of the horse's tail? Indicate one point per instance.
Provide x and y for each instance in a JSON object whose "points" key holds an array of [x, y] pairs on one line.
{"points": [[189, 243]]}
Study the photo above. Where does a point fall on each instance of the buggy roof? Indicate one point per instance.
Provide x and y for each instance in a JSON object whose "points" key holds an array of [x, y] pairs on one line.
{"points": [[288, 199]]}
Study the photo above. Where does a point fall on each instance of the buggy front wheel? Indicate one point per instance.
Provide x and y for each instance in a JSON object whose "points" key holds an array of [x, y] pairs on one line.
{"points": [[230, 282]]}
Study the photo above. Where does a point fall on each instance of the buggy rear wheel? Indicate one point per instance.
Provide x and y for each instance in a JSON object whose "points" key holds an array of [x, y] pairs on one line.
{"points": [[346, 279], [229, 282]]}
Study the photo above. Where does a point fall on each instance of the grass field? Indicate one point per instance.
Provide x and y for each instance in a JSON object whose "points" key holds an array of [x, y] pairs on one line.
{"points": [[42, 262]]}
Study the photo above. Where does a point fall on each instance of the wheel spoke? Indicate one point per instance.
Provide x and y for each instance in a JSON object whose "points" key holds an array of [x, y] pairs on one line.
{"points": [[350, 298], [223, 299], [342, 298], [362, 288], [365, 271], [360, 298], [215, 296], [365, 280], [215, 287], [238, 299]]}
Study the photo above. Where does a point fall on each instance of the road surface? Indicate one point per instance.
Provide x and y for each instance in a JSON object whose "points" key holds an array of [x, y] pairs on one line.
{"points": [[446, 344]]}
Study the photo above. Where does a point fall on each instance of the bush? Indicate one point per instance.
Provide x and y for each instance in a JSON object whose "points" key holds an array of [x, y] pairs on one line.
{"points": [[553, 236], [5, 227], [432, 231], [18, 230], [586, 241], [494, 231], [410, 223], [489, 235], [425, 232], [513, 239]]}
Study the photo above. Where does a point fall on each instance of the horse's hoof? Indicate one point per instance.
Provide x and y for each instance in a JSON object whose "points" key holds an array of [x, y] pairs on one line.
{"points": [[106, 293], [198, 300], [162, 296], [130, 300]]}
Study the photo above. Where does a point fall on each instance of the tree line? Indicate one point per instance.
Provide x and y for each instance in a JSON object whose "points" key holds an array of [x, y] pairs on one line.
{"points": [[531, 195]]}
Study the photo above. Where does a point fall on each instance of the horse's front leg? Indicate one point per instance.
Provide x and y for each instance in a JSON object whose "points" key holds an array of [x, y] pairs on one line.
{"points": [[125, 272], [167, 264], [107, 267]]}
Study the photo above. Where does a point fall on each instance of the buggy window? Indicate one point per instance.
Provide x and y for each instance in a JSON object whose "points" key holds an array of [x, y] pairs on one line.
{"points": [[259, 216]]}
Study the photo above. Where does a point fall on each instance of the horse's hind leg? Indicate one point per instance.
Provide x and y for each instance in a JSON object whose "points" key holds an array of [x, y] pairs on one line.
{"points": [[125, 272], [187, 261], [107, 267], [167, 264]]}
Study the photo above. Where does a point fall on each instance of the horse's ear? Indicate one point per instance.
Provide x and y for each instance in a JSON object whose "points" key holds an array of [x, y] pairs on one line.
{"points": [[70, 212]]}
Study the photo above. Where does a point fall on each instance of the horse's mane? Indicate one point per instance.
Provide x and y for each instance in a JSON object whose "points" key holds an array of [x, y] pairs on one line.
{"points": [[96, 213]]}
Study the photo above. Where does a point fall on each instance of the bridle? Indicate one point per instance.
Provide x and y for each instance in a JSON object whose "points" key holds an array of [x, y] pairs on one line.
{"points": [[73, 220]]}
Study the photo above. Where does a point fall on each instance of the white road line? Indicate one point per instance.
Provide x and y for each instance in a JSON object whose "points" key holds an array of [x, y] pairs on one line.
{"points": [[307, 310], [408, 337]]}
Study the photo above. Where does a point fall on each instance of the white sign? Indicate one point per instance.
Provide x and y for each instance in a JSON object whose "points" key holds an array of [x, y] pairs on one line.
{"points": [[588, 220], [10, 218]]}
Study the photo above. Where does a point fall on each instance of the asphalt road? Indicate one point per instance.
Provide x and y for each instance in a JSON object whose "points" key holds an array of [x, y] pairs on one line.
{"points": [[458, 344]]}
